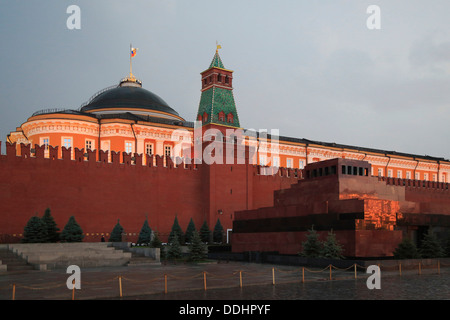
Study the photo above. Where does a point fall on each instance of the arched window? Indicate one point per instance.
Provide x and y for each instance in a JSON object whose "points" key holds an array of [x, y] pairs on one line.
{"points": [[219, 77], [230, 118], [222, 116], [227, 80]]}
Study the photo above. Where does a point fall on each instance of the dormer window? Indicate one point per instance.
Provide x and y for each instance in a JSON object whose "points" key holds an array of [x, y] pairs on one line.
{"points": [[230, 118], [205, 117], [222, 116]]}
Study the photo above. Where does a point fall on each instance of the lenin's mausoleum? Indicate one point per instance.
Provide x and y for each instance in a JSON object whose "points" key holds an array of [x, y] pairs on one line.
{"points": [[126, 154]]}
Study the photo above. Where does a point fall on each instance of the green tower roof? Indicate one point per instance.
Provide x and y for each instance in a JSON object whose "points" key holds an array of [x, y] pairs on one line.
{"points": [[218, 102], [216, 61], [215, 100]]}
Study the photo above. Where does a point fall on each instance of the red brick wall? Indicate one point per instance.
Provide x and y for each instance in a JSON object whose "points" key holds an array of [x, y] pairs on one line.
{"points": [[97, 194], [100, 193]]}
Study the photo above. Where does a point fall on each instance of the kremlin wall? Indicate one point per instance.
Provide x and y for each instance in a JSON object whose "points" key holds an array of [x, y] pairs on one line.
{"points": [[98, 193], [116, 158]]}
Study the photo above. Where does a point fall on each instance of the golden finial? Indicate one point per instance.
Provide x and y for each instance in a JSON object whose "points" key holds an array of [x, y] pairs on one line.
{"points": [[218, 46]]}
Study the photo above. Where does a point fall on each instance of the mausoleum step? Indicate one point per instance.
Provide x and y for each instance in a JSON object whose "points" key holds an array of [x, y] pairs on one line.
{"points": [[59, 255], [11, 262]]}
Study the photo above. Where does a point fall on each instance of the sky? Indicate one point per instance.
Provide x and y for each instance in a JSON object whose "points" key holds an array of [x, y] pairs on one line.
{"points": [[311, 69]]}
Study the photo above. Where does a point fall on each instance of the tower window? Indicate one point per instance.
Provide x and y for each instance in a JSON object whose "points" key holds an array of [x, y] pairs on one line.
{"points": [[227, 80], [222, 116], [230, 118], [219, 77]]}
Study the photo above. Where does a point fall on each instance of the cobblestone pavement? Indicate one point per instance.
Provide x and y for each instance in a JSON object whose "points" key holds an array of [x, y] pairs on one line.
{"points": [[228, 281]]}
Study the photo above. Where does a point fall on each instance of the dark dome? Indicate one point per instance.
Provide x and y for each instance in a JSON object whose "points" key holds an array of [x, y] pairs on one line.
{"points": [[129, 99]]}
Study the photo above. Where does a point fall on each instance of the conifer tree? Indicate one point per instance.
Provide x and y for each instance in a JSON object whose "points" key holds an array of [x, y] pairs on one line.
{"points": [[116, 233], [218, 232], [431, 248], [331, 249], [52, 229], [157, 243], [72, 231], [312, 247], [174, 248], [145, 236], [205, 233], [406, 250], [197, 249], [176, 229], [189, 231], [35, 231]]}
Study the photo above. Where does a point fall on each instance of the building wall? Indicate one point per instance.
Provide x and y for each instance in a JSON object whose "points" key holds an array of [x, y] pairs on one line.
{"points": [[107, 135], [115, 133]]}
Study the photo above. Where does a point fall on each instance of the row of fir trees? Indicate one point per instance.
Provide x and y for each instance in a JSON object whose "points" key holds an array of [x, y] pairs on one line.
{"points": [[41, 230], [45, 229], [196, 240], [146, 235]]}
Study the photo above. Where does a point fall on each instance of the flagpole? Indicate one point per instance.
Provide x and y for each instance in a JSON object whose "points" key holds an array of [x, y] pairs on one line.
{"points": [[131, 74]]}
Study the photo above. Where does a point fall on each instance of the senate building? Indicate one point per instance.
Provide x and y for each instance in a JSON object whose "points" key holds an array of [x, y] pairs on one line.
{"points": [[126, 155]]}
